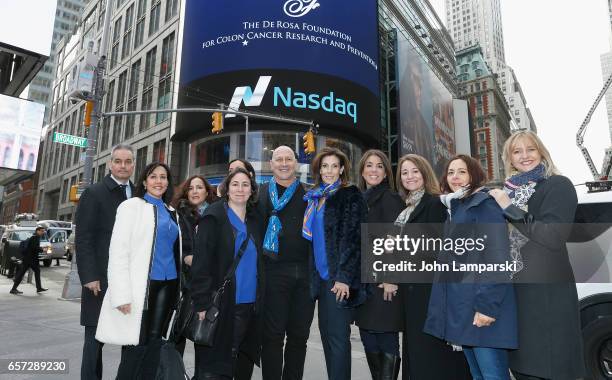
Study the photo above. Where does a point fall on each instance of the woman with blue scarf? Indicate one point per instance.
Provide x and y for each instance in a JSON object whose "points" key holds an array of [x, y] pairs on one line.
{"points": [[230, 227], [540, 205], [332, 222]]}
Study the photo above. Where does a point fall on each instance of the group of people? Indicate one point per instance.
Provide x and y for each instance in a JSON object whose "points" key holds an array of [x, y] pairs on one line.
{"points": [[141, 249]]}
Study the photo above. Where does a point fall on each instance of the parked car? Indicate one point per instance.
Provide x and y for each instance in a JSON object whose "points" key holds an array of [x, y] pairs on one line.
{"points": [[58, 233], [590, 250]]}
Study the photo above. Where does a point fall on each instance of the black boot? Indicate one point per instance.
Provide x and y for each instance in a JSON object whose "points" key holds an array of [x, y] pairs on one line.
{"points": [[374, 359], [389, 366]]}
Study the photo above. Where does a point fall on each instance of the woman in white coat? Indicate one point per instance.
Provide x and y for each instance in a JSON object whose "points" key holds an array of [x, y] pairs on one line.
{"points": [[144, 270]]}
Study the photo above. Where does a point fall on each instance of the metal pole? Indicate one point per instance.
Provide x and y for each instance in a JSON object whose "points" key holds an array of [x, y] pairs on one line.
{"points": [[98, 95], [246, 138], [255, 115]]}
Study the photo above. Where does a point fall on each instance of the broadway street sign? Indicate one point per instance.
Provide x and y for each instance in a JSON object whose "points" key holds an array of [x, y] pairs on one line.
{"points": [[69, 139]]}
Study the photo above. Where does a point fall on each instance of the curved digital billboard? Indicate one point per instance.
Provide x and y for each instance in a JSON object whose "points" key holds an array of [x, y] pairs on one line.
{"points": [[311, 59]]}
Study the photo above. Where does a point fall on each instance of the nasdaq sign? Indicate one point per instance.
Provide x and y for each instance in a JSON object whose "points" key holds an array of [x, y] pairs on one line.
{"points": [[292, 57]]}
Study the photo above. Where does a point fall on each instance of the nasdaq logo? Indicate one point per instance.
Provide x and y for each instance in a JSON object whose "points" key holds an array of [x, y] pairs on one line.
{"points": [[288, 98], [328, 102], [251, 98], [299, 8]]}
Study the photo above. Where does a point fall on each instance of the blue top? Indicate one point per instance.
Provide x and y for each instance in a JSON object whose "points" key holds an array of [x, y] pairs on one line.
{"points": [[166, 233], [318, 240], [246, 272]]}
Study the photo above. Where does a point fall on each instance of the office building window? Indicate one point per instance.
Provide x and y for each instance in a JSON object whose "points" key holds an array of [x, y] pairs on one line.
{"points": [[154, 17], [115, 48], [159, 151], [65, 191], [150, 67], [171, 9], [140, 22], [101, 172], [127, 32], [164, 99], [147, 101], [141, 161]]}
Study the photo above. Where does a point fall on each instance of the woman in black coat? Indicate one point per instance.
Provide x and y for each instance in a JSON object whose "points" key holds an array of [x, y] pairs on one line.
{"points": [[193, 197], [422, 353], [332, 222], [380, 317], [221, 232], [540, 205]]}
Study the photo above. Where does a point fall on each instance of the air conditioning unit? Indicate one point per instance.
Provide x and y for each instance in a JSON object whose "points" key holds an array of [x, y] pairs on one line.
{"points": [[81, 81]]}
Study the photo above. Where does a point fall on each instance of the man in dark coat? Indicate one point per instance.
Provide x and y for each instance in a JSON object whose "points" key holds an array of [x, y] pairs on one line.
{"points": [[30, 260], [95, 217], [288, 307]]}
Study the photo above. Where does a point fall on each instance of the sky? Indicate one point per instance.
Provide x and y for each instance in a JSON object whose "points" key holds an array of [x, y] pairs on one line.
{"points": [[554, 47]]}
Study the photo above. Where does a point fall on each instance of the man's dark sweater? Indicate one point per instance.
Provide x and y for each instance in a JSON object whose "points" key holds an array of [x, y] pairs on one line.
{"points": [[293, 248]]}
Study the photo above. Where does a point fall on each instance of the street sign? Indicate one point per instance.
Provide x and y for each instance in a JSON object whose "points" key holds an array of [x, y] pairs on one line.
{"points": [[69, 139]]}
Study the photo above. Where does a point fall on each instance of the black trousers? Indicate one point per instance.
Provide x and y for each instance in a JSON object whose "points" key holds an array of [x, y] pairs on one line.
{"points": [[242, 365], [138, 362], [91, 363], [288, 311], [22, 271]]}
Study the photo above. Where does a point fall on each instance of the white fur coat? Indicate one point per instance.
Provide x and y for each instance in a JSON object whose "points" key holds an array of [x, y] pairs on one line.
{"points": [[128, 271]]}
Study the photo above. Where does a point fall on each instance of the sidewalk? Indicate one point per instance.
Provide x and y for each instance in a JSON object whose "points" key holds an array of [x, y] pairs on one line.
{"points": [[41, 326]]}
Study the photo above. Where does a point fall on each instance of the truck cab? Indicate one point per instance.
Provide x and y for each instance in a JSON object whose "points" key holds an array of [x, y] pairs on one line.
{"points": [[590, 252]]}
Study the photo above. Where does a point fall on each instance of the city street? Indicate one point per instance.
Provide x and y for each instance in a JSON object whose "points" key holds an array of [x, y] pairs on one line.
{"points": [[41, 326]]}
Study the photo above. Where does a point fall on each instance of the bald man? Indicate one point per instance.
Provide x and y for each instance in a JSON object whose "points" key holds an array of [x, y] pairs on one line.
{"points": [[288, 309]]}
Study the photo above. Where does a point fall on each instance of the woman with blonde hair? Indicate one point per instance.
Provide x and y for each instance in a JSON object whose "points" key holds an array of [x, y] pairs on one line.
{"points": [[419, 188], [540, 205]]}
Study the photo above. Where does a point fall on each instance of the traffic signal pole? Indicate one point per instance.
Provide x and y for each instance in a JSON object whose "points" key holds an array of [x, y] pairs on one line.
{"points": [[98, 95]]}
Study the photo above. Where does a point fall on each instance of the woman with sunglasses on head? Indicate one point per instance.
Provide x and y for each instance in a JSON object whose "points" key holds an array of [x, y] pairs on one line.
{"points": [[332, 222]]}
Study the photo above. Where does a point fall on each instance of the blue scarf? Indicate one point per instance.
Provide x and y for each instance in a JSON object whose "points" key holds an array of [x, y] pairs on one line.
{"points": [[316, 199], [270, 244]]}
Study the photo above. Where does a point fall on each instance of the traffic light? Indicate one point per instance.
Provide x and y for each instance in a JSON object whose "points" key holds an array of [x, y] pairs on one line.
{"points": [[309, 142], [89, 105], [217, 122]]}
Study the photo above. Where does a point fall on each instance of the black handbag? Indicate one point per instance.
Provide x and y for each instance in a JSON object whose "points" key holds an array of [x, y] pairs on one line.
{"points": [[203, 331]]}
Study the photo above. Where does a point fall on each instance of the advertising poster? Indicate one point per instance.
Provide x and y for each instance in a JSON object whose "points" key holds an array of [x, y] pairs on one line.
{"points": [[426, 109]]}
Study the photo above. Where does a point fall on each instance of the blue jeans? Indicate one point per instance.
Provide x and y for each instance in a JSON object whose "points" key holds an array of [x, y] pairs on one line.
{"points": [[335, 327], [487, 363]]}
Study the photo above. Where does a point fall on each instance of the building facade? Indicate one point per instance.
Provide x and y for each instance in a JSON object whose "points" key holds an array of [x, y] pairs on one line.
{"points": [[478, 21], [488, 111], [511, 88], [67, 16], [142, 74], [473, 22]]}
